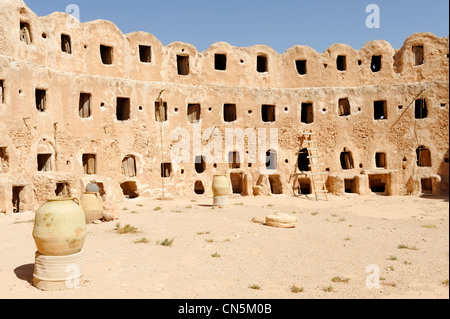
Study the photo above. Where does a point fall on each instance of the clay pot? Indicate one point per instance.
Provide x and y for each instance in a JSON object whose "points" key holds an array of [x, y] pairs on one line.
{"points": [[220, 189], [92, 187], [92, 205], [221, 185], [60, 227]]}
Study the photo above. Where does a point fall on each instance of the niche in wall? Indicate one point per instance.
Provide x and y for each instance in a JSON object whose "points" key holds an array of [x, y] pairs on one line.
{"points": [[220, 62], [420, 109], [375, 64], [229, 113], [262, 64], [307, 115], [341, 63], [418, 55], [268, 113], [301, 67], [66, 45], [106, 54], [193, 113], [145, 53], [123, 109], [84, 106], [183, 64], [160, 111]]}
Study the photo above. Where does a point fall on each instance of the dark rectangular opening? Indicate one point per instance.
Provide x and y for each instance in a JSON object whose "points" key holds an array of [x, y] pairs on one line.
{"points": [[145, 53], [262, 64], [89, 164], [4, 160], [276, 187], [166, 170], [234, 160], [377, 183], [420, 110], [200, 164], [2, 92], [44, 162], [268, 113], [84, 107], [236, 182], [161, 111], [427, 186], [25, 32], [17, 198], [41, 100], [106, 53], [193, 113], [66, 45], [220, 62], [344, 107], [130, 190], [271, 160], [307, 115], [229, 113], [350, 186], [375, 65], [183, 64], [341, 62], [62, 189], [423, 157], [418, 52], [347, 160], [199, 189], [303, 162], [304, 186], [380, 110], [123, 109], [380, 160], [301, 66]]}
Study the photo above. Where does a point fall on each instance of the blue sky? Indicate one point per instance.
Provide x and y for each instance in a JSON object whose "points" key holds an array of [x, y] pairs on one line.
{"points": [[279, 24]]}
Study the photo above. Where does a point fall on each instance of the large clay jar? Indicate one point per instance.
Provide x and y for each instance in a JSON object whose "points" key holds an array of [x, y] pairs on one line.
{"points": [[59, 227], [221, 185], [92, 205], [220, 189]]}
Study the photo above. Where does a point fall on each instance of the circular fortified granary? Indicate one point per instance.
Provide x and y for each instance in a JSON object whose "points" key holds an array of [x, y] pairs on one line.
{"points": [[82, 102]]}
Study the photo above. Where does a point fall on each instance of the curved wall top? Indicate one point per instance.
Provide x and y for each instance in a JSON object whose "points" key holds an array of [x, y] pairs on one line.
{"points": [[300, 66]]}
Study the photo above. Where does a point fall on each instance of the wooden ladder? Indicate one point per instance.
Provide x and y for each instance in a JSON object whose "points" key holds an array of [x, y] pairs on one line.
{"points": [[318, 174]]}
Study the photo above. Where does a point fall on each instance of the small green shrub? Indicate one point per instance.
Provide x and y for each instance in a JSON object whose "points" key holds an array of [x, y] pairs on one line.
{"points": [[126, 229], [167, 242], [295, 289]]}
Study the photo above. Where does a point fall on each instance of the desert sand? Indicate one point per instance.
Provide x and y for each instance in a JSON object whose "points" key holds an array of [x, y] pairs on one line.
{"points": [[333, 239]]}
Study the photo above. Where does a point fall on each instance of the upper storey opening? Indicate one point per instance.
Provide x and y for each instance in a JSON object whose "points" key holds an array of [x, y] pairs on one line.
{"points": [[183, 64], [220, 62], [418, 52], [25, 32], [66, 45], [341, 63], [106, 53], [262, 64], [145, 53]]}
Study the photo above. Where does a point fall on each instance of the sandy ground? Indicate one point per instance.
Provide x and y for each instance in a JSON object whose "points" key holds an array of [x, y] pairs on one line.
{"points": [[338, 238]]}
